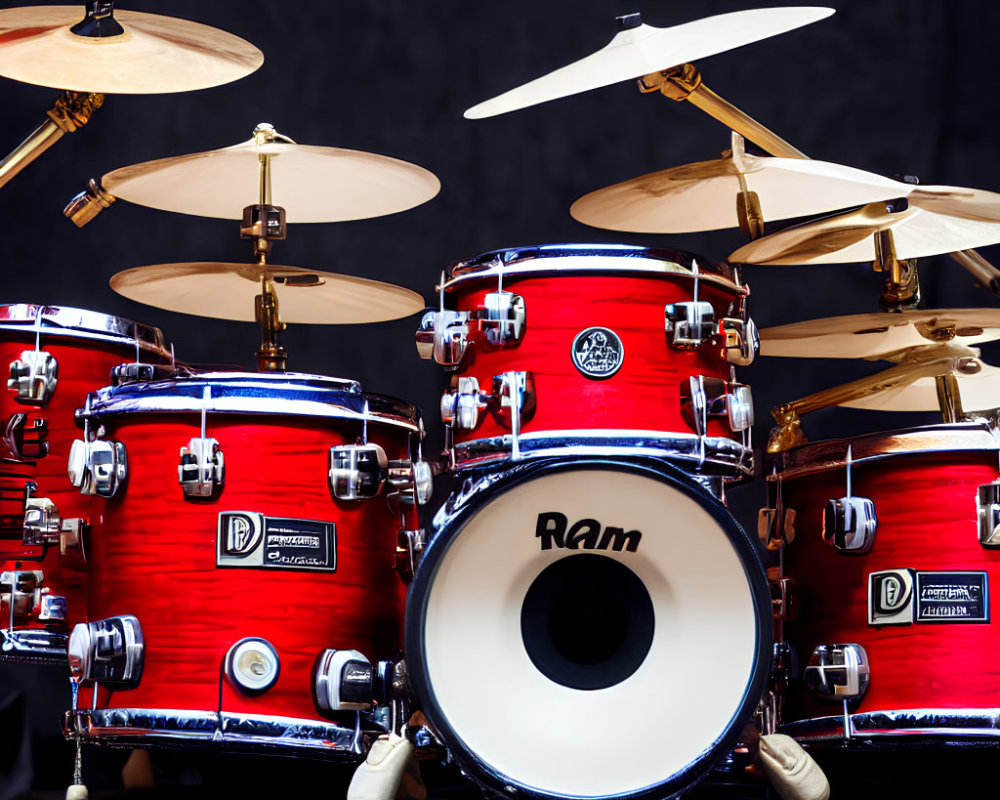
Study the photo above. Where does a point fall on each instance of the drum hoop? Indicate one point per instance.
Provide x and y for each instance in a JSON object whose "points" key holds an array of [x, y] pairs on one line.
{"points": [[280, 394], [177, 727], [475, 497], [81, 323], [817, 457], [955, 724], [583, 259], [710, 455]]}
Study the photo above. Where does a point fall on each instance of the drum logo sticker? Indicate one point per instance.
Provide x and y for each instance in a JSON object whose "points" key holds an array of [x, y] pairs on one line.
{"points": [[903, 596], [251, 540], [597, 353], [553, 528]]}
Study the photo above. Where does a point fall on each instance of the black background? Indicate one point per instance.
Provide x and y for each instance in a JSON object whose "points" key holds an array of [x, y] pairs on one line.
{"points": [[890, 86]]}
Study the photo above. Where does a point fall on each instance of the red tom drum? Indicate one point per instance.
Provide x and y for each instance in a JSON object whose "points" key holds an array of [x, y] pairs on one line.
{"points": [[55, 356], [892, 558], [244, 577], [602, 347]]}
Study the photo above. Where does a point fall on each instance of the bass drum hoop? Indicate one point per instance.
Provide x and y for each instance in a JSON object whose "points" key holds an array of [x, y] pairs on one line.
{"points": [[452, 525]]}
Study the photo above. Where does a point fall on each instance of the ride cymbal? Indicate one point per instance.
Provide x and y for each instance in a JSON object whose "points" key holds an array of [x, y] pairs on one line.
{"points": [[917, 231], [876, 335], [312, 183], [153, 54], [228, 291], [643, 49], [703, 196]]}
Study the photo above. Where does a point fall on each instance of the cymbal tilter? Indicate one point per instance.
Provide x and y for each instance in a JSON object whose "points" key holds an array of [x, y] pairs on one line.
{"points": [[902, 284], [271, 357]]}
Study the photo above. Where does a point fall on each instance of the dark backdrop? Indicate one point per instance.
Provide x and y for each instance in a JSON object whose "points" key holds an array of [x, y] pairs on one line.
{"points": [[891, 86]]}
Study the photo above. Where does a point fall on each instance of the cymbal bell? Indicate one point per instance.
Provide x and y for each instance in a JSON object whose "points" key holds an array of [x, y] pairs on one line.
{"points": [[917, 231], [155, 53], [703, 196], [978, 387], [312, 183], [873, 336], [228, 291], [643, 49]]}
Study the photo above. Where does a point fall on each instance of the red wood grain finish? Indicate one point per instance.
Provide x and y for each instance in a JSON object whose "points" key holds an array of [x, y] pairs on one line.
{"points": [[83, 366], [643, 395], [154, 556], [927, 520]]}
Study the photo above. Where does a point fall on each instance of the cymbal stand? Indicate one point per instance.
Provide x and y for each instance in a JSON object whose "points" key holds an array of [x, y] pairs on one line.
{"points": [[71, 112], [685, 83], [748, 210], [902, 285], [941, 362], [264, 223]]}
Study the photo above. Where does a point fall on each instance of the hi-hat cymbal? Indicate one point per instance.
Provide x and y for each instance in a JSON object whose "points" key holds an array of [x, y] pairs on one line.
{"points": [[703, 196], [312, 183], [916, 232], [645, 49], [155, 54], [873, 336], [227, 291], [978, 387]]}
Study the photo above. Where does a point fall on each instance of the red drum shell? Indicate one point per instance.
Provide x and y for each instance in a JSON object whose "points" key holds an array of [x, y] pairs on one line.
{"points": [[569, 288], [154, 556], [87, 345], [925, 501]]}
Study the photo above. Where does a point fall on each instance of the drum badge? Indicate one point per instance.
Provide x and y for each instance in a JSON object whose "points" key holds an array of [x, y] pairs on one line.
{"points": [[598, 353], [242, 533]]}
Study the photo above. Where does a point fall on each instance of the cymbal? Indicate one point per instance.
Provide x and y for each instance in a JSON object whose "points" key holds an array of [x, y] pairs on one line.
{"points": [[645, 49], [227, 291], [979, 391], [155, 54], [312, 183], [873, 336], [849, 237], [702, 196]]}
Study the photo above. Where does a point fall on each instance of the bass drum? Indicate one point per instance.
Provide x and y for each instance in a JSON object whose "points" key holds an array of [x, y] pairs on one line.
{"points": [[588, 628]]}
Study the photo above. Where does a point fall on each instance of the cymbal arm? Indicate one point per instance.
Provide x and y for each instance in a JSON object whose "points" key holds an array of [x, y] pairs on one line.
{"points": [[981, 269], [685, 83], [788, 433], [71, 111]]}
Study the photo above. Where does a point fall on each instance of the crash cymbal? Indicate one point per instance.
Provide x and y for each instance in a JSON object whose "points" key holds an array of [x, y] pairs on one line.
{"points": [[873, 336], [312, 183], [849, 238], [644, 49], [227, 291], [703, 196], [154, 53], [978, 390]]}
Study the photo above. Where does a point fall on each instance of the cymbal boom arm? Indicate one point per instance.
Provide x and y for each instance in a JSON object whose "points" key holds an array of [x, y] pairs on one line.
{"points": [[788, 432], [684, 83], [71, 111]]}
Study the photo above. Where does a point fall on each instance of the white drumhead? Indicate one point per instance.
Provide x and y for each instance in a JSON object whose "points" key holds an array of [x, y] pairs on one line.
{"points": [[625, 737]]}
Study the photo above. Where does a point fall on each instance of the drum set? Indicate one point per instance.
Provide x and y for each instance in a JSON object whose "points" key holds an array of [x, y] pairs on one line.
{"points": [[250, 562]]}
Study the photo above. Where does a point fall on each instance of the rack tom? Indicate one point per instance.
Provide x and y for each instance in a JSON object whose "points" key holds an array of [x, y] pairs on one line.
{"points": [[601, 348]]}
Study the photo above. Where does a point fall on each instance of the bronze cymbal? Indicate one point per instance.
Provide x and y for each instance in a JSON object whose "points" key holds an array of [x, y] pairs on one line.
{"points": [[703, 196], [154, 54], [917, 231], [644, 49], [312, 183], [227, 291], [978, 388], [874, 336]]}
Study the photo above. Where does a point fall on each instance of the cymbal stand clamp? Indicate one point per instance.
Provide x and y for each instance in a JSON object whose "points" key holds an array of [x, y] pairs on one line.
{"points": [[271, 357], [902, 284]]}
